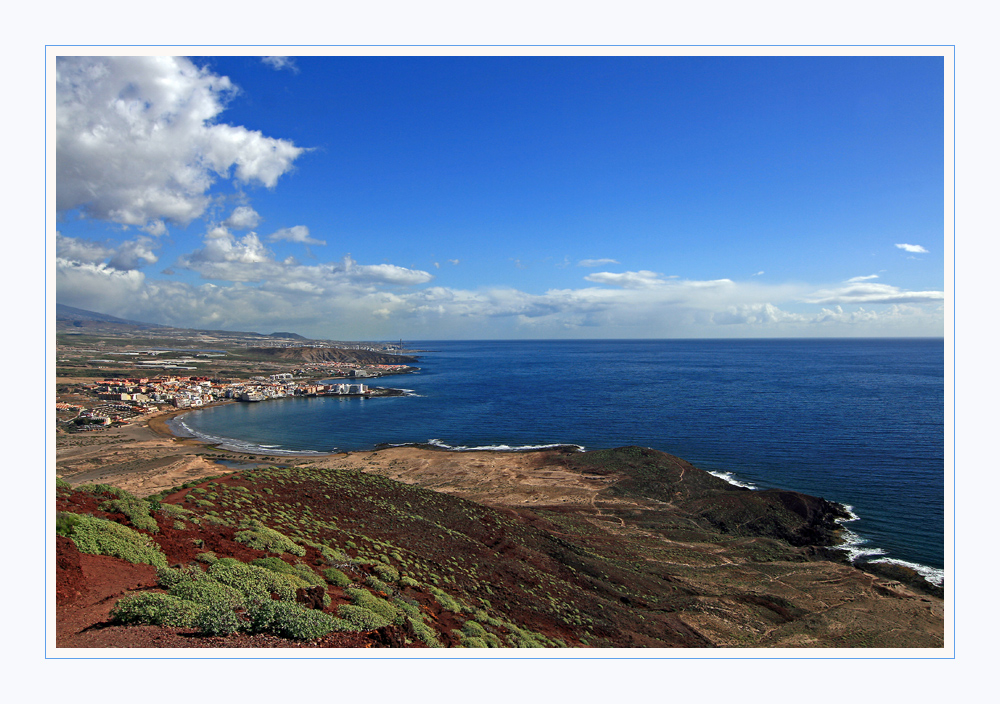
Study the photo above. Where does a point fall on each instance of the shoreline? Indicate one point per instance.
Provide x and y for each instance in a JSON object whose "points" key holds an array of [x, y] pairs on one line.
{"points": [[193, 456]]}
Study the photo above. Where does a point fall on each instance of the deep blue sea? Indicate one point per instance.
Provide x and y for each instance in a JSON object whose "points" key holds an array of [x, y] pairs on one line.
{"points": [[860, 422]]}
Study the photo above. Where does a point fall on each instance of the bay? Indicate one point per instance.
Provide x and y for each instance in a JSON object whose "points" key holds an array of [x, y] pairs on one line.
{"points": [[860, 422]]}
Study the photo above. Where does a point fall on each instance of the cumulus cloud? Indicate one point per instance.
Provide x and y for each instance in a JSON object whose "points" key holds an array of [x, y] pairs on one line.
{"points": [[348, 299], [298, 233], [137, 139], [596, 262], [134, 254], [243, 217], [130, 254], [915, 248], [281, 63]]}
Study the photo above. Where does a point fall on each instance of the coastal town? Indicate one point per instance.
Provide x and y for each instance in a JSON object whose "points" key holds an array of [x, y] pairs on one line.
{"points": [[118, 400]]}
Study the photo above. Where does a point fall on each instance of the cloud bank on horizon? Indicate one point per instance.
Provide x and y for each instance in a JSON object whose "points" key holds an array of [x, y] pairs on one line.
{"points": [[169, 214]]}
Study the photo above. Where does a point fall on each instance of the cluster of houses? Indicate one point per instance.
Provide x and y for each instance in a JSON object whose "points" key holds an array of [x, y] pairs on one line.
{"points": [[126, 398], [190, 392]]}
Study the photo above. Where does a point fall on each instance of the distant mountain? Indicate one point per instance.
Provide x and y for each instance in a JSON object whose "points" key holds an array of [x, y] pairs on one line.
{"points": [[71, 315], [288, 335]]}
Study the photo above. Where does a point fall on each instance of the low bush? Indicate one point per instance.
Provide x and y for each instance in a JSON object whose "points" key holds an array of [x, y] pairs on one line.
{"points": [[260, 537], [135, 509], [174, 511], [168, 577], [426, 634], [65, 523], [209, 593], [155, 609], [216, 619], [387, 573], [336, 577], [367, 600], [96, 536], [300, 572], [255, 583], [292, 621], [360, 618]]}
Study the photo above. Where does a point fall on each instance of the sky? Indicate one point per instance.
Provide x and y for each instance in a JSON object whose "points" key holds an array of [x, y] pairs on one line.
{"points": [[375, 198]]}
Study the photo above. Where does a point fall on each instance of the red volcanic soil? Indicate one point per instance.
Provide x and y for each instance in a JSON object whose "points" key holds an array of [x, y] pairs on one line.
{"points": [[652, 552]]}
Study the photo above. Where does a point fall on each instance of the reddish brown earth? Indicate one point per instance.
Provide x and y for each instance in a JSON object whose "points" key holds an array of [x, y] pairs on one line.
{"points": [[626, 548]]}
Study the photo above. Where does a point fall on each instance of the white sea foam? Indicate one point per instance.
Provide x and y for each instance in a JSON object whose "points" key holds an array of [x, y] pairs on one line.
{"points": [[499, 448], [728, 476], [856, 548], [932, 574], [180, 428]]}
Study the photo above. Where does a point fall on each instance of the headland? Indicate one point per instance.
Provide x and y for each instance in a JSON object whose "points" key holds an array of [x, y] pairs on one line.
{"points": [[614, 548]]}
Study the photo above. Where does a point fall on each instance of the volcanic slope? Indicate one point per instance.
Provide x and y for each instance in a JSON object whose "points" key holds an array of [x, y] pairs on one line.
{"points": [[661, 554]]}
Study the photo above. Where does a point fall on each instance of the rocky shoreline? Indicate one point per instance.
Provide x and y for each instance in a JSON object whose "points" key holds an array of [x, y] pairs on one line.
{"points": [[691, 544]]}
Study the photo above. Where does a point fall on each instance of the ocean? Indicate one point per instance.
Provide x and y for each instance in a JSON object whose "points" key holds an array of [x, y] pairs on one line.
{"points": [[859, 422]]}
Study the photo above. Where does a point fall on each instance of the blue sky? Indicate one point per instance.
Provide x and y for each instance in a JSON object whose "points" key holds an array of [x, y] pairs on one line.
{"points": [[505, 197]]}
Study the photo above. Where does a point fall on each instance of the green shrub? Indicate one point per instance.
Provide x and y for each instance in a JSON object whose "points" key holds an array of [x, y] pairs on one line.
{"points": [[448, 603], [96, 536], [426, 634], [167, 577], [255, 583], [209, 593], [155, 609], [216, 619], [62, 484], [336, 577], [208, 558], [303, 573], [104, 489], [136, 510], [367, 600], [174, 511], [65, 523], [473, 630], [405, 581], [290, 620], [468, 642], [408, 607], [260, 537], [386, 573], [378, 585], [360, 618]]}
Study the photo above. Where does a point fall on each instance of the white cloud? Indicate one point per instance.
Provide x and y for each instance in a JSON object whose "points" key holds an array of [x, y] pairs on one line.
{"points": [[157, 228], [130, 254], [243, 217], [279, 63], [596, 262], [456, 262], [83, 251], [915, 248], [134, 254], [858, 279], [298, 233], [346, 299], [860, 293], [137, 140], [628, 279]]}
